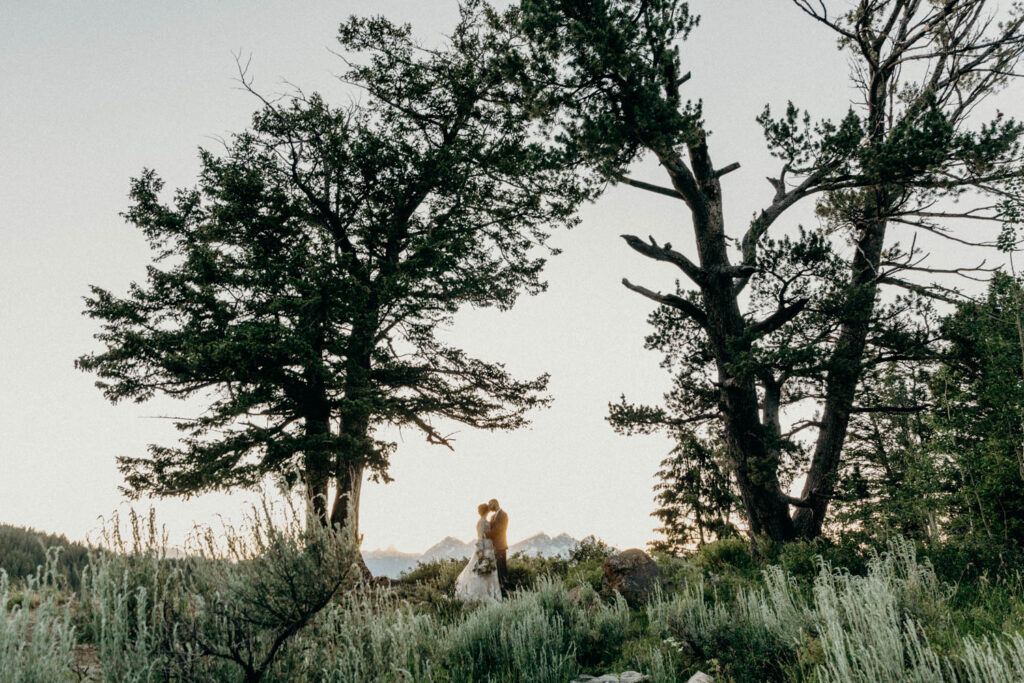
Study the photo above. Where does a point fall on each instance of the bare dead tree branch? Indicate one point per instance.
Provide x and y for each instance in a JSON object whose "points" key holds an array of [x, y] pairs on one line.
{"points": [[679, 303]]}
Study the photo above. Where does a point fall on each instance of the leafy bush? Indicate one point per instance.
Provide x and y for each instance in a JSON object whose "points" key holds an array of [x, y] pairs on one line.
{"points": [[802, 559], [525, 571], [440, 574], [732, 553], [588, 550]]}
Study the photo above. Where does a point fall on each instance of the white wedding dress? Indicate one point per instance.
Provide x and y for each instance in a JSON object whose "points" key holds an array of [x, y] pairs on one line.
{"points": [[473, 587]]}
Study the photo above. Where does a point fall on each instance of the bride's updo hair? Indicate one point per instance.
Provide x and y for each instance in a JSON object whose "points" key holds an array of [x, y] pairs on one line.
{"points": [[482, 509]]}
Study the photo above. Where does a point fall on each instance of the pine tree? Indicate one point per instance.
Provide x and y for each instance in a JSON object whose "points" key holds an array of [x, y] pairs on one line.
{"points": [[298, 287], [979, 416], [756, 334], [696, 495]]}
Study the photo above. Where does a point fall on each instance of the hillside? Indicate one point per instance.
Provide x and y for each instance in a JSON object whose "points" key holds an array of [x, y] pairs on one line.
{"points": [[22, 550]]}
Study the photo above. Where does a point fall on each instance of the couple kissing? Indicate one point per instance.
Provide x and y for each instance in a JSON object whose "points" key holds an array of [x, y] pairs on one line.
{"points": [[485, 576]]}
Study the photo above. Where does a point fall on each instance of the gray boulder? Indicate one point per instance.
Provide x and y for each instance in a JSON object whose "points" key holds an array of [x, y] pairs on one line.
{"points": [[624, 677], [633, 573], [700, 677]]}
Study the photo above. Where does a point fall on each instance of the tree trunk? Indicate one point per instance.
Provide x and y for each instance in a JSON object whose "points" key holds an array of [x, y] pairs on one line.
{"points": [[356, 449], [754, 461], [755, 465], [316, 495], [844, 371], [345, 510], [846, 362], [317, 463]]}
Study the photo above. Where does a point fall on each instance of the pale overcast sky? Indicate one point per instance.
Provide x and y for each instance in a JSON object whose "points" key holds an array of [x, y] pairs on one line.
{"points": [[94, 92]]}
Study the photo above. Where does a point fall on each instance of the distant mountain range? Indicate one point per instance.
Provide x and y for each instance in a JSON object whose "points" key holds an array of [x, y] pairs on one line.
{"points": [[22, 550], [392, 563]]}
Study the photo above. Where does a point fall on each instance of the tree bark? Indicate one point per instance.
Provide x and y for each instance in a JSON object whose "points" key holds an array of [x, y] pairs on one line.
{"points": [[356, 446], [348, 487]]}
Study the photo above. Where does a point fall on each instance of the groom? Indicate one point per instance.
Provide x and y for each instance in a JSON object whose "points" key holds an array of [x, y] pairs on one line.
{"points": [[499, 525]]}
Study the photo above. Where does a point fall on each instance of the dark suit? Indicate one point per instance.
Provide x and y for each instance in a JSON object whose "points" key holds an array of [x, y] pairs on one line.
{"points": [[497, 534]]}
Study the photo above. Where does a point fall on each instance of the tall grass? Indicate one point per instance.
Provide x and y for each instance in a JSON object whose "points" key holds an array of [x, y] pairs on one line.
{"points": [[868, 625], [128, 589], [995, 660], [37, 637], [227, 611], [371, 636], [537, 635], [280, 599], [845, 629]]}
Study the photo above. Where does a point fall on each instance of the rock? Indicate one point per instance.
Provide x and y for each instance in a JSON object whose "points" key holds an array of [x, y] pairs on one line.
{"points": [[624, 677], [700, 677], [633, 573], [633, 677]]}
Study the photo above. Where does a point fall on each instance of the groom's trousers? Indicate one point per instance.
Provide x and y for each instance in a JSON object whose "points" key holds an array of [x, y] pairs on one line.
{"points": [[502, 567]]}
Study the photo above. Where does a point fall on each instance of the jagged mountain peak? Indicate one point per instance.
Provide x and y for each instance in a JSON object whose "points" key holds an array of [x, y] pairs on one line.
{"points": [[392, 563]]}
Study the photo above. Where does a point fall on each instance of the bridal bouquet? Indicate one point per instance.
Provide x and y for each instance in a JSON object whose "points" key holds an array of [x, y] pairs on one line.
{"points": [[484, 560], [484, 564]]}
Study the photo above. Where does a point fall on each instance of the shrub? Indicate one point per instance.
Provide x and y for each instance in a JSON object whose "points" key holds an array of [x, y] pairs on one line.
{"points": [[849, 628], [744, 636], [224, 613], [127, 591], [255, 588], [676, 571], [438, 573], [867, 626], [370, 635], [588, 550], [801, 559], [525, 571], [726, 553]]}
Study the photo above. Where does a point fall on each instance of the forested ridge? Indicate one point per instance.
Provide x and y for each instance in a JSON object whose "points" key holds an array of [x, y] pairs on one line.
{"points": [[23, 551]]}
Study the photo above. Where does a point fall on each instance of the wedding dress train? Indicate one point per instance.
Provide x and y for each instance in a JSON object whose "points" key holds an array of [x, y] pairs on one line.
{"points": [[471, 586]]}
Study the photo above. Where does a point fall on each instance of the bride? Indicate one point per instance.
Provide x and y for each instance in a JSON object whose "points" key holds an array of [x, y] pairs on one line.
{"points": [[479, 579]]}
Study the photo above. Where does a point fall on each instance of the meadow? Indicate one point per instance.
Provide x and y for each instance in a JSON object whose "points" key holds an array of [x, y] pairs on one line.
{"points": [[281, 600]]}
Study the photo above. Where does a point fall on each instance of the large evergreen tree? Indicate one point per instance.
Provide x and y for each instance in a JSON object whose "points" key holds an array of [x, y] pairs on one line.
{"points": [[773, 325], [298, 287]]}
